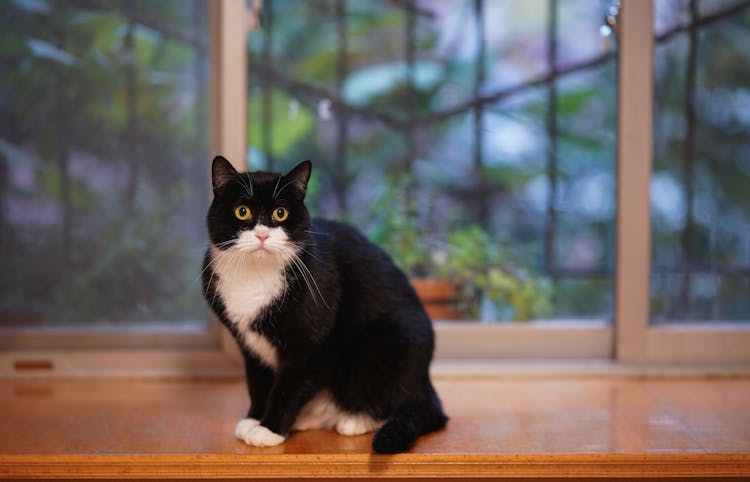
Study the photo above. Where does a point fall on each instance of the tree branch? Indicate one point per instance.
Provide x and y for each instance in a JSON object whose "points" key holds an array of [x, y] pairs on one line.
{"points": [[702, 21], [168, 30], [312, 95]]}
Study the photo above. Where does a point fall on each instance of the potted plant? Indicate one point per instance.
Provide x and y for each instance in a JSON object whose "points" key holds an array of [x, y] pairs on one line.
{"points": [[395, 230], [459, 275], [484, 271]]}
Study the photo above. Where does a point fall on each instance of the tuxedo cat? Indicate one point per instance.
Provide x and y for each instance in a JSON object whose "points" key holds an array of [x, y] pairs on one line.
{"points": [[332, 333]]}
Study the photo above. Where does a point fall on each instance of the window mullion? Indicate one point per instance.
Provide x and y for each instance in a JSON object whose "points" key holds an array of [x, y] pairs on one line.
{"points": [[634, 161], [230, 23]]}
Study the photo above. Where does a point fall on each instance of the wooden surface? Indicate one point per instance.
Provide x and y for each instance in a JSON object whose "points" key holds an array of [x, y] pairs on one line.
{"points": [[499, 428]]}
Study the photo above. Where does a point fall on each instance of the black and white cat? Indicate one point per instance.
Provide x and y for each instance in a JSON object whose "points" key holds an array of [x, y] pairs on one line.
{"points": [[332, 333]]}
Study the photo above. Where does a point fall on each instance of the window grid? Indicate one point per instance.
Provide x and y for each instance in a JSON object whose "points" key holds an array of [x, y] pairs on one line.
{"points": [[232, 141], [678, 307], [313, 95]]}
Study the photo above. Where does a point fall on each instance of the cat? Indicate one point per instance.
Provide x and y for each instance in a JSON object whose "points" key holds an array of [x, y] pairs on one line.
{"points": [[332, 334]]}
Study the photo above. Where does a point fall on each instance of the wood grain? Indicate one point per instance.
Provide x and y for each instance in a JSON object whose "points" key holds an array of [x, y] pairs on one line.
{"points": [[499, 428]]}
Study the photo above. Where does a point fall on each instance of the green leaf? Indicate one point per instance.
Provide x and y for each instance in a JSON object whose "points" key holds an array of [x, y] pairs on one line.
{"points": [[570, 102], [288, 125], [45, 50], [101, 29], [370, 82], [81, 197]]}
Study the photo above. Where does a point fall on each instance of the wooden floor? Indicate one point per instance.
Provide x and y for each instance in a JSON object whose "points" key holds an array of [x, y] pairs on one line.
{"points": [[499, 428]]}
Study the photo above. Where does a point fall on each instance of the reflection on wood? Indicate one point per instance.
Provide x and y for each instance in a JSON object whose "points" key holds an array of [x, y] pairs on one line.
{"points": [[502, 428]]}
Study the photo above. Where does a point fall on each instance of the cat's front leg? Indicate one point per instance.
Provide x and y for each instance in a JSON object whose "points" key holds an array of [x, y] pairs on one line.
{"points": [[259, 379], [244, 427], [258, 435], [291, 390]]}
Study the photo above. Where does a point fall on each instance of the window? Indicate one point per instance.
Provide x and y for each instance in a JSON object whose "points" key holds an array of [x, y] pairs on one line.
{"points": [[105, 133], [699, 188], [534, 132], [637, 339], [473, 140]]}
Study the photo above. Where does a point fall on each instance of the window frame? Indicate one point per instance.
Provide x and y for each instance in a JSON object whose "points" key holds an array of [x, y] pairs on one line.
{"points": [[637, 341], [149, 351], [627, 339]]}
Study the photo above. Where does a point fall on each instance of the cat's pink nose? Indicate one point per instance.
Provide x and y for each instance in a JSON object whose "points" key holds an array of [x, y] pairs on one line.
{"points": [[262, 236]]}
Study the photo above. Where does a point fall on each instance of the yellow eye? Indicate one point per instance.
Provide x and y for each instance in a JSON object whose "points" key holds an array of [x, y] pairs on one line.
{"points": [[280, 214], [242, 212]]}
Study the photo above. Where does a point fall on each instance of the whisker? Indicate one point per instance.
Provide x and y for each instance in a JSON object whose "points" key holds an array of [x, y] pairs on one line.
{"points": [[297, 263], [305, 278], [276, 187], [212, 262], [248, 189], [315, 283], [225, 243], [284, 187], [247, 185], [308, 252], [235, 258], [210, 284], [305, 271]]}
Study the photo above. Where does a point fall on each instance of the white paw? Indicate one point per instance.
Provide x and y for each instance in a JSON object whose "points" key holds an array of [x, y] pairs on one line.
{"points": [[355, 425], [260, 436], [244, 426]]}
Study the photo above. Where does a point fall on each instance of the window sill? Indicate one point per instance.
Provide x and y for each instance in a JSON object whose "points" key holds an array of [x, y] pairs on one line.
{"points": [[565, 347], [544, 427]]}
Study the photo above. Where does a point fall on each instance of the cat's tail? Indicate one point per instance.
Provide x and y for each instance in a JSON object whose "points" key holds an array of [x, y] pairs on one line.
{"points": [[408, 423]]}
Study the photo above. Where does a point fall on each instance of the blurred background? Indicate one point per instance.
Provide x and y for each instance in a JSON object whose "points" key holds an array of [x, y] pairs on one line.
{"points": [[475, 140]]}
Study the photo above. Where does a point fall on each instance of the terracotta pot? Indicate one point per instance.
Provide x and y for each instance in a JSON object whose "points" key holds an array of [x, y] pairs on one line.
{"points": [[439, 297]]}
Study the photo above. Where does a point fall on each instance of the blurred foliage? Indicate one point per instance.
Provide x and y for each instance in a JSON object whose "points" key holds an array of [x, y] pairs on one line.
{"points": [[414, 205], [290, 122], [103, 150], [479, 265], [393, 228], [706, 283], [482, 267], [145, 274]]}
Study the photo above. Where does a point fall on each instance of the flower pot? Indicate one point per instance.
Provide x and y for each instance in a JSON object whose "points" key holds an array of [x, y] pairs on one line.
{"points": [[439, 298]]}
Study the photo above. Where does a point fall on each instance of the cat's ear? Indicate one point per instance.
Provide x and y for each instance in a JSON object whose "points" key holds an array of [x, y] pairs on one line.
{"points": [[300, 176], [222, 172]]}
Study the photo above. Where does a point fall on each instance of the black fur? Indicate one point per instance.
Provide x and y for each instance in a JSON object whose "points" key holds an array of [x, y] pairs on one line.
{"points": [[364, 336]]}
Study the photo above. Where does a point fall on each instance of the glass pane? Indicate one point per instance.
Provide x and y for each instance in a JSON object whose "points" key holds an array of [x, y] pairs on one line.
{"points": [[699, 191], [453, 131], [103, 159]]}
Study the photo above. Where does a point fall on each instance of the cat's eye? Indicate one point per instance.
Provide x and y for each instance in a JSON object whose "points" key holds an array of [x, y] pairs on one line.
{"points": [[242, 212], [280, 214]]}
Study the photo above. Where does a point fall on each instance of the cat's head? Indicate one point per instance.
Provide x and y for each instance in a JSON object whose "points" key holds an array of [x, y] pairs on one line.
{"points": [[260, 214]]}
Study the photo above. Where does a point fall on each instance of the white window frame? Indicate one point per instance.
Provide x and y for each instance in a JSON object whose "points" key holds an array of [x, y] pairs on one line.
{"points": [[629, 339], [165, 350], [637, 341]]}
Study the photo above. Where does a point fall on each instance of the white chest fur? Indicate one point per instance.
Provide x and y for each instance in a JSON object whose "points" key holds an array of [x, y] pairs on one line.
{"points": [[247, 286]]}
